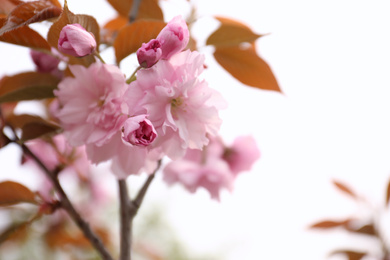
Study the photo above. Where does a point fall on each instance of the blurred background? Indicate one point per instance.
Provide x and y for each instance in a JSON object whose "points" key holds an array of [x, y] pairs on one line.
{"points": [[332, 62]]}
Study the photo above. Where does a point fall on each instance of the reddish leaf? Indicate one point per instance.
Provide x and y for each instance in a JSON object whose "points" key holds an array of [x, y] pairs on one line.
{"points": [[131, 37], [111, 28], [13, 193], [368, 229], [38, 129], [14, 232], [345, 189], [388, 194], [30, 12], [32, 126], [231, 33], [148, 9], [59, 236], [24, 36], [246, 66], [6, 6], [86, 21], [330, 224], [352, 255], [116, 24], [27, 86]]}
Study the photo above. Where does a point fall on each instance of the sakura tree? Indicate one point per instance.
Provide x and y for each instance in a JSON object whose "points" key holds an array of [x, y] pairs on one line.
{"points": [[161, 119]]}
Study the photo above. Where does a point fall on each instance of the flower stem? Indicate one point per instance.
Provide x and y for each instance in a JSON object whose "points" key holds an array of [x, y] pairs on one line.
{"points": [[97, 55]]}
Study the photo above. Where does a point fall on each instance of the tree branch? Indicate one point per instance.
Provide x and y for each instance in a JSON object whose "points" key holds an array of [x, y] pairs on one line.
{"points": [[134, 10], [67, 205], [128, 210], [125, 222]]}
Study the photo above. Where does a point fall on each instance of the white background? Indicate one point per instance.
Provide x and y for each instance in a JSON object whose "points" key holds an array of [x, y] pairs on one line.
{"points": [[332, 61]]}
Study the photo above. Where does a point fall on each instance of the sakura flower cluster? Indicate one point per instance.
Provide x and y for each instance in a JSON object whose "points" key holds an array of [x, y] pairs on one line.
{"points": [[167, 111]]}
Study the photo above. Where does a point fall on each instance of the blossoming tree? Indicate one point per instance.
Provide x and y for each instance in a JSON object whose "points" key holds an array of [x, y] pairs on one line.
{"points": [[165, 109]]}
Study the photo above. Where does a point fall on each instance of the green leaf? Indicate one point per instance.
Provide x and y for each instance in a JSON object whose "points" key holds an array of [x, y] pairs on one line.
{"points": [[231, 33], [27, 86], [245, 65], [12, 193], [131, 37]]}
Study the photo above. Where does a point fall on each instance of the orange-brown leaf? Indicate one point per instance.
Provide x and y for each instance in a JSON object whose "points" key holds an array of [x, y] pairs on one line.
{"points": [[6, 6], [342, 187], [116, 24], [368, 229], [24, 36], [388, 194], [352, 255], [148, 9], [131, 37], [231, 33], [13, 193], [330, 224], [27, 86], [38, 129], [86, 21], [30, 12], [246, 66]]}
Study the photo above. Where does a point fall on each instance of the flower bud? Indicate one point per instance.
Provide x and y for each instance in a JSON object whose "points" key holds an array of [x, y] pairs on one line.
{"points": [[149, 53], [76, 41], [173, 37], [138, 131], [44, 62]]}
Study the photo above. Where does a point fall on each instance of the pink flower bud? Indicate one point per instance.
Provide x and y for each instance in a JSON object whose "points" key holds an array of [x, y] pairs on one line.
{"points": [[44, 62], [174, 37], [138, 131], [76, 41], [149, 53]]}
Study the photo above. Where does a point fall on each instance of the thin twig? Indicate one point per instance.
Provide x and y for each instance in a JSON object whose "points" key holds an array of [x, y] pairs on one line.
{"points": [[141, 194], [68, 206], [125, 222], [134, 10]]}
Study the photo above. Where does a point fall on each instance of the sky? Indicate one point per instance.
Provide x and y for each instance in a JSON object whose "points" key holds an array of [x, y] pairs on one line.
{"points": [[332, 61]]}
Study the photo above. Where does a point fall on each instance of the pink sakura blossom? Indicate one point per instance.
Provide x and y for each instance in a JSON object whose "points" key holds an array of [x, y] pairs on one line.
{"points": [[172, 39], [242, 154], [214, 168], [76, 41], [92, 103], [149, 53], [182, 108], [126, 159], [139, 131], [56, 153]]}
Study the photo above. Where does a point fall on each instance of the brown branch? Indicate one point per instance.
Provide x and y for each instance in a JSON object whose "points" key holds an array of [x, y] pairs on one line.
{"points": [[68, 206], [134, 10], [128, 210], [125, 222]]}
